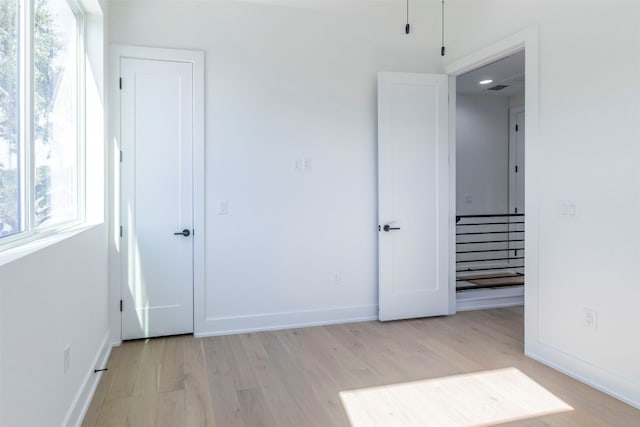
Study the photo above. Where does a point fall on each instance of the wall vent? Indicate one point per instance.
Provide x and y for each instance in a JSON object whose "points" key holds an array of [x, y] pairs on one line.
{"points": [[497, 87]]}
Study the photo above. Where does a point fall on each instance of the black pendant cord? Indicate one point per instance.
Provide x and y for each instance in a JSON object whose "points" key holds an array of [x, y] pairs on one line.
{"points": [[407, 28], [442, 49]]}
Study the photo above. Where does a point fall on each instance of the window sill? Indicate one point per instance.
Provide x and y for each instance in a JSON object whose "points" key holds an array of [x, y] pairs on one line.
{"points": [[42, 241]]}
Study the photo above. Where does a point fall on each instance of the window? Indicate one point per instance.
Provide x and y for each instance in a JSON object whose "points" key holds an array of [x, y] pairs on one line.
{"points": [[40, 117], [10, 209]]}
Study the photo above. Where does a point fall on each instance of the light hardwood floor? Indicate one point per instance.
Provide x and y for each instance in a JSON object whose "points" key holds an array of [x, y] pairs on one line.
{"points": [[295, 377]]}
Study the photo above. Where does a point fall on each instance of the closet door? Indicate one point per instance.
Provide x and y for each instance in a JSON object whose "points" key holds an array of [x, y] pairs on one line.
{"points": [[413, 195]]}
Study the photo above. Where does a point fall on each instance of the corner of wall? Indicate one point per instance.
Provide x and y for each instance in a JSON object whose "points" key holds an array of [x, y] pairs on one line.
{"points": [[82, 400], [615, 385]]}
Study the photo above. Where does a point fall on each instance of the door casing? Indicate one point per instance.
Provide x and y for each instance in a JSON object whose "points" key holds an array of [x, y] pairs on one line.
{"points": [[527, 39]]}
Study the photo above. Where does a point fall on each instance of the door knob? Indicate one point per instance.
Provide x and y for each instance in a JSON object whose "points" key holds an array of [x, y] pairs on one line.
{"points": [[387, 227], [185, 233]]}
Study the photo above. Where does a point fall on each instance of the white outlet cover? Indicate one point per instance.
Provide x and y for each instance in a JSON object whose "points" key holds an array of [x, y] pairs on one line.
{"points": [[590, 318], [67, 358], [568, 208], [223, 207]]}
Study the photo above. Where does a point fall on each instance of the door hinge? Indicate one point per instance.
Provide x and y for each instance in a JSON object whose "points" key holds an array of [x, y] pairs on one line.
{"points": [[120, 83], [120, 156], [120, 305], [516, 210], [516, 168], [121, 231], [516, 125]]}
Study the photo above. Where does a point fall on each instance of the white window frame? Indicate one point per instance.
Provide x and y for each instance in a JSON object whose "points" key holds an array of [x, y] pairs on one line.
{"points": [[26, 150]]}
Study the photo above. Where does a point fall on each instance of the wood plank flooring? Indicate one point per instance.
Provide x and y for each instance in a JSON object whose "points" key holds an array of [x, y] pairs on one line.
{"points": [[295, 377]]}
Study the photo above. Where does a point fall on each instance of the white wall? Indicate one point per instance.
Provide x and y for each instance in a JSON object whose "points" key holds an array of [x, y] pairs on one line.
{"points": [[588, 153], [49, 299], [482, 154], [53, 293], [516, 100], [287, 82]]}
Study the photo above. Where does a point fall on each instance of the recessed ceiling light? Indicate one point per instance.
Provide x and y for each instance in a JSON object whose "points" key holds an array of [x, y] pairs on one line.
{"points": [[485, 82]]}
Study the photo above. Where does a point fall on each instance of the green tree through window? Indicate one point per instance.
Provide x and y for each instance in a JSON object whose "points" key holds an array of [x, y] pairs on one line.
{"points": [[9, 118], [49, 50]]}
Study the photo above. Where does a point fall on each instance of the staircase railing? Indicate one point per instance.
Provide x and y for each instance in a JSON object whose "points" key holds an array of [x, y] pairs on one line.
{"points": [[489, 251]]}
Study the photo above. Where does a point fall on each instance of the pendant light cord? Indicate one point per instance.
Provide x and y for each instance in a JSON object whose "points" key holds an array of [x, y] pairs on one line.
{"points": [[407, 28], [442, 49]]}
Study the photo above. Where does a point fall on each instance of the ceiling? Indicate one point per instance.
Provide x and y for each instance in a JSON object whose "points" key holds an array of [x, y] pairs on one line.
{"points": [[508, 71]]}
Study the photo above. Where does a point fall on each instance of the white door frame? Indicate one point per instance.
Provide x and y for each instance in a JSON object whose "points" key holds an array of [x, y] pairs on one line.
{"points": [[196, 58], [513, 161], [528, 40]]}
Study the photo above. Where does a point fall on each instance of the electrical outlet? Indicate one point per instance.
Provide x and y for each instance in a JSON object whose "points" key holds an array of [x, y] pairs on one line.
{"points": [[337, 278], [223, 207], [67, 358], [590, 318], [568, 208], [303, 164]]}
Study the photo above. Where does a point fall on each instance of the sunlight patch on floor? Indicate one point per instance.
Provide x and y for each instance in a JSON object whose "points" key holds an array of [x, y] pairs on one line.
{"points": [[478, 399]]}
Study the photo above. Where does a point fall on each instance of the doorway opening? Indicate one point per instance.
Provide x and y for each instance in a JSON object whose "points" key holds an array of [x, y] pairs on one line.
{"points": [[490, 165]]}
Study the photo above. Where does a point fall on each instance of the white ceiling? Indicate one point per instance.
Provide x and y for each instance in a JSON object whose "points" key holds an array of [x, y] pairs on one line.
{"points": [[508, 71]]}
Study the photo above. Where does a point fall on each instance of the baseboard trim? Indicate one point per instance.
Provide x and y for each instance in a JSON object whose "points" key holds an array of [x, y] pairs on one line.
{"points": [[286, 320], [489, 298], [81, 402], [585, 370]]}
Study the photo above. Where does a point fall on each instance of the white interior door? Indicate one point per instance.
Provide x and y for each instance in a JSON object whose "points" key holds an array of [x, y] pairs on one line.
{"points": [[156, 125], [413, 195]]}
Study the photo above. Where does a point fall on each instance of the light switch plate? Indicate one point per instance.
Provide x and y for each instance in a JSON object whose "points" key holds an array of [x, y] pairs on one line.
{"points": [[568, 208]]}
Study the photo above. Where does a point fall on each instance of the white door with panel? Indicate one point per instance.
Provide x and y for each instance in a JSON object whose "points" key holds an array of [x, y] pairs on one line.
{"points": [[413, 195], [156, 127]]}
